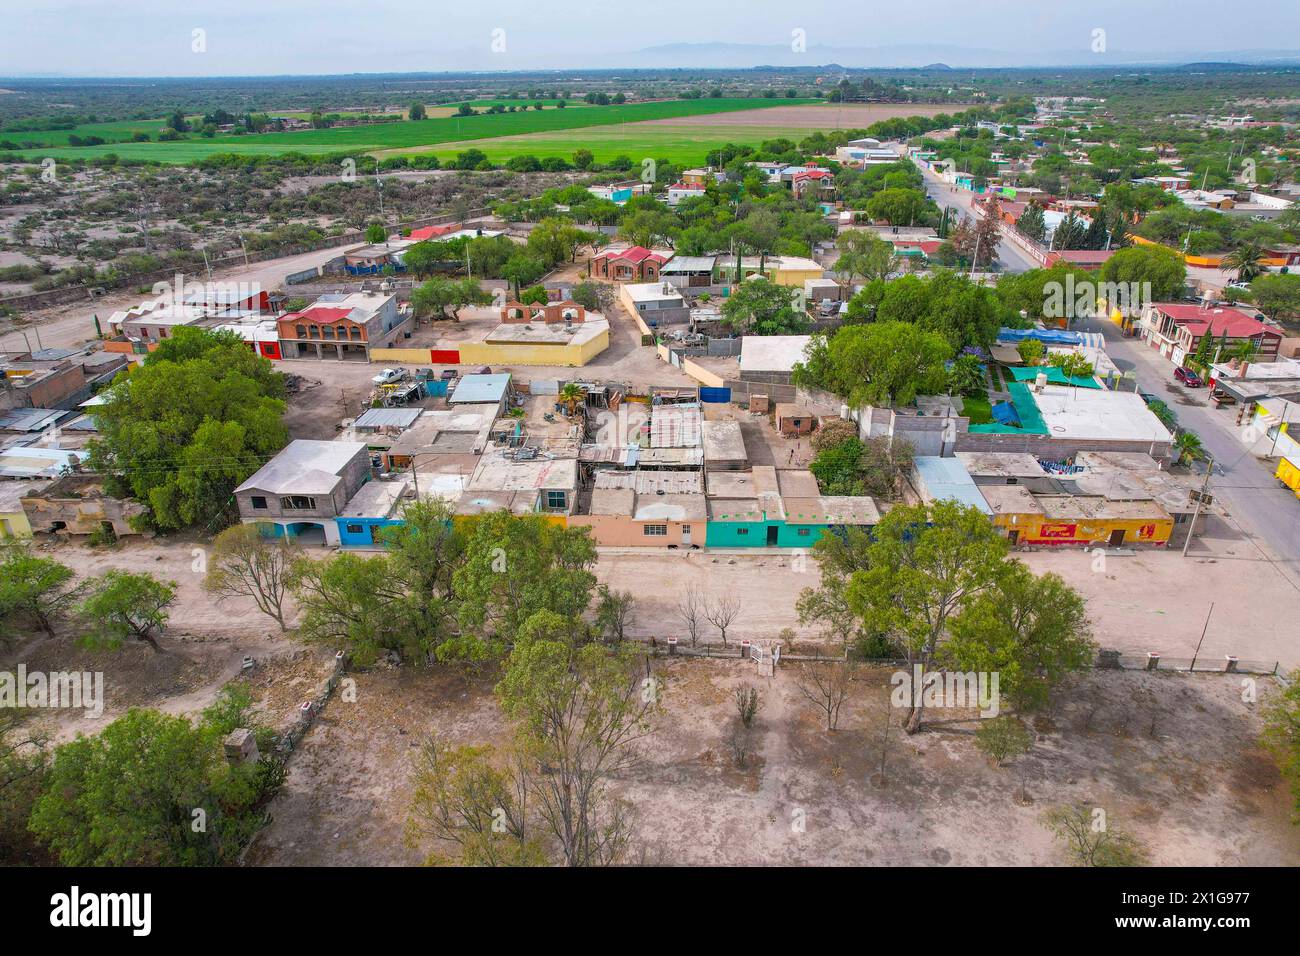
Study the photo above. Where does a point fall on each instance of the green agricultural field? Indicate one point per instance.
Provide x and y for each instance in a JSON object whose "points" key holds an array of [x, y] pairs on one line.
{"points": [[408, 134], [114, 132], [681, 145]]}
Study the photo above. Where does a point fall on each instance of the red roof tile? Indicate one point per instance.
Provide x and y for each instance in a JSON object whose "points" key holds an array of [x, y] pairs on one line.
{"points": [[1216, 321]]}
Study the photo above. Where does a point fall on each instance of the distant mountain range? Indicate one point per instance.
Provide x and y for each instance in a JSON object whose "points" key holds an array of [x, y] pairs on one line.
{"points": [[930, 56]]}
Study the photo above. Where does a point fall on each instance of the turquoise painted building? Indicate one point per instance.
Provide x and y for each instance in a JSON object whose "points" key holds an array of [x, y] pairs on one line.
{"points": [[766, 508]]}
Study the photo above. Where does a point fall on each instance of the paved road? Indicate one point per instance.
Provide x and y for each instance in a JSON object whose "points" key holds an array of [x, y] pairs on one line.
{"points": [[1010, 258], [1242, 482]]}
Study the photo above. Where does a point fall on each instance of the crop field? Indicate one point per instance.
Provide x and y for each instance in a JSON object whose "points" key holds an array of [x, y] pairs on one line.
{"points": [[677, 144], [113, 132], [409, 134]]}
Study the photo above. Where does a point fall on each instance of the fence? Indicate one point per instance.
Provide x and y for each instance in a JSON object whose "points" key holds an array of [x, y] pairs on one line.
{"points": [[1105, 660], [287, 739]]}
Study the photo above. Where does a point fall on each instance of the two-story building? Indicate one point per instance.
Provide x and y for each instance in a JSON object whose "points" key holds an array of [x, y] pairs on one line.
{"points": [[302, 490], [342, 326], [1175, 329]]}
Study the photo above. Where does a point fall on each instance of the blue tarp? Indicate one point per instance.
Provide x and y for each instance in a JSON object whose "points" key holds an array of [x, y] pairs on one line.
{"points": [[1005, 413], [1046, 336]]}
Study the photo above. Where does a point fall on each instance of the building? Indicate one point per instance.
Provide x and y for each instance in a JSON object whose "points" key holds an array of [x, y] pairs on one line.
{"points": [[764, 507], [558, 333], [644, 509], [724, 446], [522, 481], [262, 336], [945, 479], [795, 419], [655, 302], [1175, 329], [631, 264], [345, 326], [791, 271], [485, 389], [374, 258], [680, 191], [425, 233], [689, 272], [77, 504], [304, 488], [376, 505], [463, 429], [18, 461], [771, 358], [13, 517]]}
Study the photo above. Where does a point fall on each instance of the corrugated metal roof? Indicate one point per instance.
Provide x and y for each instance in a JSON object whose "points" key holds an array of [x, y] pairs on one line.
{"points": [[387, 418], [480, 388], [29, 419]]}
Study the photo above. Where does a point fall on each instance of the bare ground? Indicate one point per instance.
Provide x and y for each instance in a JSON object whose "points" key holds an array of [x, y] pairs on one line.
{"points": [[1172, 759], [813, 115]]}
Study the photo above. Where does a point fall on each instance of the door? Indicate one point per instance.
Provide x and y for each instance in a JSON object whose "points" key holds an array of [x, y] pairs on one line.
{"points": [[1116, 538], [771, 535], [686, 534]]}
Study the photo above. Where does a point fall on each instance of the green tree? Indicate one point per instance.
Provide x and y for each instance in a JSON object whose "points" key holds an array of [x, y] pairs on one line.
{"points": [[423, 554], [359, 604], [444, 298], [476, 799], [416, 112], [884, 363], [246, 563], [926, 564], [555, 240], [582, 158], [1163, 268], [522, 269], [1032, 224], [901, 207], [1091, 839], [761, 307], [1002, 738], [376, 233], [123, 605], [864, 255], [1282, 735], [183, 459], [1031, 351], [1032, 631], [1247, 258], [515, 567], [578, 709], [34, 590], [1277, 295], [132, 794]]}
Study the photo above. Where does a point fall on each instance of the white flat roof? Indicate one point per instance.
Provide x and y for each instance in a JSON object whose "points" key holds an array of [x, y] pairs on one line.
{"points": [[1089, 413], [771, 353]]}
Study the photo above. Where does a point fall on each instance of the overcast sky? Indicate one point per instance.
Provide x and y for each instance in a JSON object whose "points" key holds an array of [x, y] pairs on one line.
{"points": [[252, 37]]}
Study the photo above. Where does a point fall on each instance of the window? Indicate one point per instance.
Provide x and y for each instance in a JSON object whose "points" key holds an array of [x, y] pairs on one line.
{"points": [[301, 330], [298, 503], [556, 500], [356, 529], [655, 530], [259, 502], [742, 531], [804, 532]]}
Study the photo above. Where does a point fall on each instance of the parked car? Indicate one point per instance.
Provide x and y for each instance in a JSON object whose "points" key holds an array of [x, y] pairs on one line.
{"points": [[388, 376], [1187, 377]]}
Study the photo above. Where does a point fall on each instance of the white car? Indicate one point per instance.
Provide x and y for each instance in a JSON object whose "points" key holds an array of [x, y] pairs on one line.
{"points": [[388, 376]]}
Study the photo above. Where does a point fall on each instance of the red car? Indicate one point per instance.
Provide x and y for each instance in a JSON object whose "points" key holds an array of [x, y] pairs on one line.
{"points": [[1187, 377]]}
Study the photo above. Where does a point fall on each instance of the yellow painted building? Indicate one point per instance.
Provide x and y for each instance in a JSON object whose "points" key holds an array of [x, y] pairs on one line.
{"points": [[13, 519], [1029, 519]]}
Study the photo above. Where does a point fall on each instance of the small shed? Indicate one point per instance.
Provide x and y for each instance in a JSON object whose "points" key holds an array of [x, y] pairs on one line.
{"points": [[793, 419]]}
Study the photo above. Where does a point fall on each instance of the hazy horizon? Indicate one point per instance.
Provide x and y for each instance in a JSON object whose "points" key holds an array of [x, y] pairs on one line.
{"points": [[240, 38]]}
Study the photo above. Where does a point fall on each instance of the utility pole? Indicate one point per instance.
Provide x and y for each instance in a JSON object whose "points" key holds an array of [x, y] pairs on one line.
{"points": [[1200, 500], [1273, 451], [1196, 653]]}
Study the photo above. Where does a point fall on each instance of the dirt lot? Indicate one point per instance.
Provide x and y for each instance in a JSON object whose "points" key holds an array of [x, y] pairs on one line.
{"points": [[1171, 759], [814, 115]]}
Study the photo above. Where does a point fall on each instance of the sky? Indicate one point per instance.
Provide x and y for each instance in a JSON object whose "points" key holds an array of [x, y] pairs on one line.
{"points": [[276, 37]]}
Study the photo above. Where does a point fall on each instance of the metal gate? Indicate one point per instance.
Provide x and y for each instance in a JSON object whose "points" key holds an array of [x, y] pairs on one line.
{"points": [[718, 395]]}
